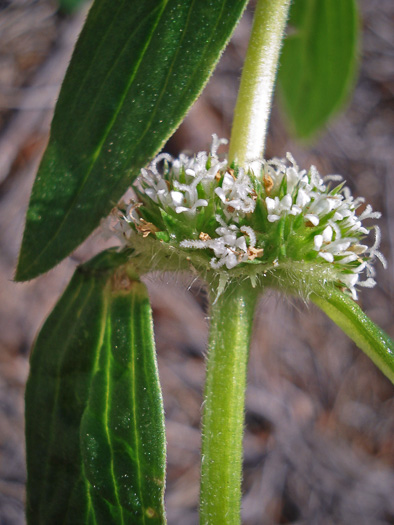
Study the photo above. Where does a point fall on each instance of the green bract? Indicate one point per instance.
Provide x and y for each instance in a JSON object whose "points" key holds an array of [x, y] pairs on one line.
{"points": [[290, 227]]}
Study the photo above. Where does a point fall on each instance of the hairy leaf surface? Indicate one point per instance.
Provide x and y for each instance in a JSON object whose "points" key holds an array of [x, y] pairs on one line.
{"points": [[135, 71], [94, 415]]}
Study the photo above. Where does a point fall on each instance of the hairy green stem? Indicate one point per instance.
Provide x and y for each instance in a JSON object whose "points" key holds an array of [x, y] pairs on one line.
{"points": [[223, 418], [253, 106], [232, 313]]}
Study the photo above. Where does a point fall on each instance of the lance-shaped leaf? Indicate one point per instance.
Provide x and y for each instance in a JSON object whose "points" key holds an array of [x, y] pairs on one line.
{"points": [[136, 69], [318, 61], [94, 415], [353, 321]]}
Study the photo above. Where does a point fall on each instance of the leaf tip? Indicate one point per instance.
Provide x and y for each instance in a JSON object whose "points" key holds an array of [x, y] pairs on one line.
{"points": [[21, 273], [27, 272]]}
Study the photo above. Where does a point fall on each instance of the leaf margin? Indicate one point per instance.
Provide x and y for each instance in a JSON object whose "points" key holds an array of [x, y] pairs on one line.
{"points": [[53, 248]]}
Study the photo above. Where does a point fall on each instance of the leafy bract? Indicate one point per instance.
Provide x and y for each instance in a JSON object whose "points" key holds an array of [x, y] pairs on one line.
{"points": [[357, 325], [318, 61], [136, 69], [94, 415]]}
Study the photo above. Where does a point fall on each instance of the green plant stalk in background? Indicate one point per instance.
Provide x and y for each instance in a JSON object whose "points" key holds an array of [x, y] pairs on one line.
{"points": [[318, 62], [233, 312], [223, 419]]}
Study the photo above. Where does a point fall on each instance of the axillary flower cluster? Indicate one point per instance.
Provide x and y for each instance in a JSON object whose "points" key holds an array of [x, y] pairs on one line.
{"points": [[285, 225]]}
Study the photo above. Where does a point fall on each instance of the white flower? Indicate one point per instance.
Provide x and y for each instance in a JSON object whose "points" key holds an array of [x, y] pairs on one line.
{"points": [[183, 198], [239, 215], [229, 247], [280, 208], [234, 193]]}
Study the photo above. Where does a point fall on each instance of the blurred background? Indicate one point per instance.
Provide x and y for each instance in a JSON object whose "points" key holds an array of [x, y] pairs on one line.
{"points": [[319, 445]]}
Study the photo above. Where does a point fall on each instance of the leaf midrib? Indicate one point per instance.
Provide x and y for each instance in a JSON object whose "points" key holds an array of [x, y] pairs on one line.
{"points": [[97, 152]]}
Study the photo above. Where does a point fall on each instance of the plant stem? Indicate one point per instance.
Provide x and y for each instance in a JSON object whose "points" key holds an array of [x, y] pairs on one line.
{"points": [[253, 106], [223, 418], [232, 313]]}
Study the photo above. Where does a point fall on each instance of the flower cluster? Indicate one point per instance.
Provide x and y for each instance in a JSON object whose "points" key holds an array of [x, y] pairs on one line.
{"points": [[223, 218]]}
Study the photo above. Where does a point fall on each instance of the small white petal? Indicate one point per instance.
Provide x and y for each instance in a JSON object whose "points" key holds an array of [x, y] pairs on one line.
{"points": [[349, 279], [327, 256], [292, 178], [360, 248], [228, 182], [271, 203], [327, 234], [177, 197], [302, 198], [348, 259], [337, 247], [230, 239], [241, 244], [318, 241], [220, 193], [200, 203], [295, 210], [286, 202], [314, 219], [368, 283], [231, 261]]}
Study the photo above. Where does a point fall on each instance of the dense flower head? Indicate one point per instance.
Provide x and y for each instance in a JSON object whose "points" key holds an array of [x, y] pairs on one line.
{"points": [[225, 219]]}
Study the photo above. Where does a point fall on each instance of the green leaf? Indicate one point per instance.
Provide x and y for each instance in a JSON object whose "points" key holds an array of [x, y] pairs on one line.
{"points": [[353, 321], [136, 69], [318, 62], [94, 415]]}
